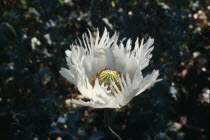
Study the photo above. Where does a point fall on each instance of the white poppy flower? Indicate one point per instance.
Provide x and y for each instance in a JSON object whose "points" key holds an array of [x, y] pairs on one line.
{"points": [[106, 72]]}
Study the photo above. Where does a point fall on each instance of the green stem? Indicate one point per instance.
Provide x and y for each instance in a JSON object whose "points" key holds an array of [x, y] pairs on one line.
{"points": [[108, 114]]}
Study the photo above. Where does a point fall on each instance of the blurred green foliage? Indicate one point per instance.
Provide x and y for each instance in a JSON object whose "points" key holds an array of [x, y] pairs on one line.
{"points": [[34, 35]]}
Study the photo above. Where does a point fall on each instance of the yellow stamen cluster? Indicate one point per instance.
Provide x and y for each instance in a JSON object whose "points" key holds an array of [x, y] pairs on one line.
{"points": [[107, 76]]}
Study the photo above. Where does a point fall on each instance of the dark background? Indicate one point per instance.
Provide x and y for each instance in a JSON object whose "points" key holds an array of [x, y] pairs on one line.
{"points": [[34, 35]]}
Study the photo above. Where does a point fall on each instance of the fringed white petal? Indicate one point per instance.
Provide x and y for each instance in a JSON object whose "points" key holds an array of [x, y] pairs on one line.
{"points": [[128, 90], [68, 75], [119, 97], [148, 81], [97, 54], [125, 93], [88, 103], [84, 86], [143, 53], [129, 61]]}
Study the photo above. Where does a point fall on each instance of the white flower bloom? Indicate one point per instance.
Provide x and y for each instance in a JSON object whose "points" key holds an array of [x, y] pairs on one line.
{"points": [[107, 72]]}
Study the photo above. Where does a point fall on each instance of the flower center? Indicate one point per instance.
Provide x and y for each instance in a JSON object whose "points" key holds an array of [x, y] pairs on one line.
{"points": [[106, 76]]}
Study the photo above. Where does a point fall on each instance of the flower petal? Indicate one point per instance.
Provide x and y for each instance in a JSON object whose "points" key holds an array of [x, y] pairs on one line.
{"points": [[100, 56], [88, 103], [68, 75], [123, 97], [129, 61], [148, 81], [144, 53]]}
